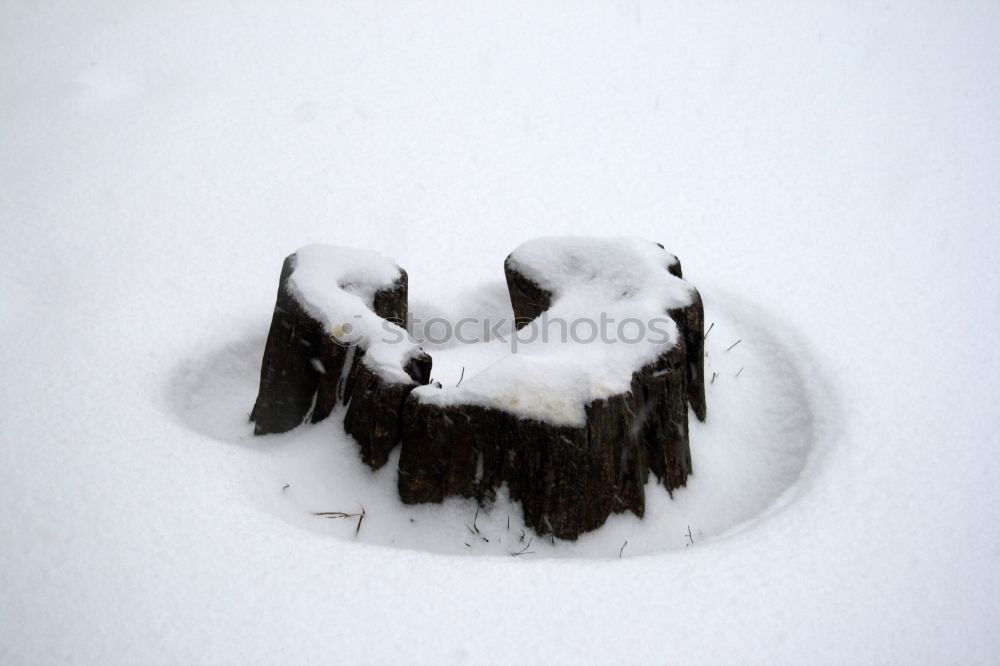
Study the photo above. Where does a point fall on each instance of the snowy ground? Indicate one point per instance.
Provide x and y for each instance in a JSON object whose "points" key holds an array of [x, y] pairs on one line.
{"points": [[764, 424], [827, 174]]}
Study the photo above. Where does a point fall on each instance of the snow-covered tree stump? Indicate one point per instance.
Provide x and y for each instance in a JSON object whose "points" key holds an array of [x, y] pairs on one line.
{"points": [[334, 309], [572, 427]]}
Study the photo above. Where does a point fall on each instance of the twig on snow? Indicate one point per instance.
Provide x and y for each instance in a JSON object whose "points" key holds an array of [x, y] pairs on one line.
{"points": [[525, 551], [343, 514]]}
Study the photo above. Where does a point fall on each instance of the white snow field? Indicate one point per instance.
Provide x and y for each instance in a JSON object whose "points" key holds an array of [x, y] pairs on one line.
{"points": [[828, 173]]}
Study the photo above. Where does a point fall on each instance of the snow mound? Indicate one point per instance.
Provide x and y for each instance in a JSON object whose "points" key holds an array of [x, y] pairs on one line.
{"points": [[330, 280], [607, 319], [586, 270], [337, 286]]}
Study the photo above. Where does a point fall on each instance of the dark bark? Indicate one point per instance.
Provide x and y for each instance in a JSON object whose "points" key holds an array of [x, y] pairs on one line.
{"points": [[664, 419], [303, 367], [690, 322], [529, 299], [392, 302], [691, 325], [568, 479], [288, 377], [375, 407]]}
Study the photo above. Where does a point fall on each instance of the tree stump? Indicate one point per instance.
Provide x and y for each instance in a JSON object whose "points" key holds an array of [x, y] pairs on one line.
{"points": [[568, 478], [375, 407], [570, 456], [306, 370]]}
